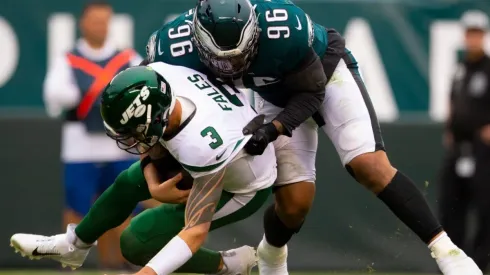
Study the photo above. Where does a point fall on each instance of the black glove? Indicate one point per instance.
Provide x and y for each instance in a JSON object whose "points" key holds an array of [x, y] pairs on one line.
{"points": [[262, 135]]}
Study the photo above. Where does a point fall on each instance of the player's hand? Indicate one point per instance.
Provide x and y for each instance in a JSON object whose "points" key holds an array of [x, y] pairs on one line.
{"points": [[261, 136], [167, 191], [254, 125]]}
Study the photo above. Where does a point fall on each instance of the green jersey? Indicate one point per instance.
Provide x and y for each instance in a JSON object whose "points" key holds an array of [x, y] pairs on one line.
{"points": [[287, 35], [172, 44]]}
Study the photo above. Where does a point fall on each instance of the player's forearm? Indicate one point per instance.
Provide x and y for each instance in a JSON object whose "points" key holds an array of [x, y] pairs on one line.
{"points": [[195, 236], [151, 177], [169, 259], [298, 110], [307, 83], [200, 207], [178, 251], [149, 170], [203, 200]]}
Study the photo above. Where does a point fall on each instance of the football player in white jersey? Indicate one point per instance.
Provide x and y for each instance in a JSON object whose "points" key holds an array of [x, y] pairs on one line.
{"points": [[200, 122]]}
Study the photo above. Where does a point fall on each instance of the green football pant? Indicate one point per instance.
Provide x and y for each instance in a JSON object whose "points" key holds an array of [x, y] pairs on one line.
{"points": [[151, 230]]}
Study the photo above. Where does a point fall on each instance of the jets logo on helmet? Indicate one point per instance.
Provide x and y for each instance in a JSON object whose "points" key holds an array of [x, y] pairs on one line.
{"points": [[135, 108]]}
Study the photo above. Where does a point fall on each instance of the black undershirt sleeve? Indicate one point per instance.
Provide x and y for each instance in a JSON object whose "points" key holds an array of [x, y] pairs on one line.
{"points": [[308, 87]]}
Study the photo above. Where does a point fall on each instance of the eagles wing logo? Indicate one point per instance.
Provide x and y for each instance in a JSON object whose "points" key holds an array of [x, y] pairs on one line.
{"points": [[151, 47], [311, 31]]}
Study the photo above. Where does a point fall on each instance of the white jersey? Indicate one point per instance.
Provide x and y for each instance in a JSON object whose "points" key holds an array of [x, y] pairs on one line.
{"points": [[212, 136]]}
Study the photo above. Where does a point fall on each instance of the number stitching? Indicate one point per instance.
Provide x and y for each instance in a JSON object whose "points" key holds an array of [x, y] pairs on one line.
{"points": [[182, 31], [183, 47], [277, 32], [216, 140], [278, 15]]}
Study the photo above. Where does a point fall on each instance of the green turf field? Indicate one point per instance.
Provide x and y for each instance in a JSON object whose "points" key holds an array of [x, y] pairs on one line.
{"points": [[44, 272]]}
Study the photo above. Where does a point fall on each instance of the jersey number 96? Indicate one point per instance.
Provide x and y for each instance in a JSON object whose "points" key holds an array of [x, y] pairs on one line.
{"points": [[276, 32], [180, 48]]}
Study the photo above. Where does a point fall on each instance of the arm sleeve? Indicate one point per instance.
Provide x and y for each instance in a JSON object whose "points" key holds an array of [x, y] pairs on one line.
{"points": [[308, 87], [60, 91]]}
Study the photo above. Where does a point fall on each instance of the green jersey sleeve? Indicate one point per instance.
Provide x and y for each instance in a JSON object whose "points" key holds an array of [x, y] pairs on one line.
{"points": [[286, 36], [172, 44]]}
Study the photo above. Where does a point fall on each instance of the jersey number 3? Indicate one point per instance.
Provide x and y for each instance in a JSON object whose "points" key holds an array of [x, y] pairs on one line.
{"points": [[277, 32], [216, 140]]}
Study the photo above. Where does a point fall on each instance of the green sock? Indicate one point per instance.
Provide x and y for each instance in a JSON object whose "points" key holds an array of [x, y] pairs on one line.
{"points": [[204, 261], [115, 205]]}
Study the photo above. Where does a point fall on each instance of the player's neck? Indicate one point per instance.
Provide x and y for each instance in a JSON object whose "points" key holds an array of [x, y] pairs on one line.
{"points": [[174, 119]]}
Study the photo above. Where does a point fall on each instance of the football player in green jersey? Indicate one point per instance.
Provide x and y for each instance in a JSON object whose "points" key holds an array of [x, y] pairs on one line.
{"points": [[300, 70], [160, 110]]}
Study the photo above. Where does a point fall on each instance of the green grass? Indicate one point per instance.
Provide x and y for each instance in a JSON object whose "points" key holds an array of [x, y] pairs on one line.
{"points": [[44, 272]]}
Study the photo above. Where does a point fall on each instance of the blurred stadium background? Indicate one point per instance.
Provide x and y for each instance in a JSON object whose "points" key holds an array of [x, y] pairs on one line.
{"points": [[407, 50]]}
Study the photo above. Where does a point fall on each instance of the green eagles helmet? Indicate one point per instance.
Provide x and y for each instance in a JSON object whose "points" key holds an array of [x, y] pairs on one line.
{"points": [[226, 34], [135, 107]]}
